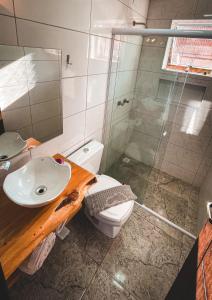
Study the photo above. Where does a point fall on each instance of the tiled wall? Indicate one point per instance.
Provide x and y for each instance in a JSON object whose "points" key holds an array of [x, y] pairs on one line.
{"points": [[172, 115], [120, 99], [81, 29], [30, 91]]}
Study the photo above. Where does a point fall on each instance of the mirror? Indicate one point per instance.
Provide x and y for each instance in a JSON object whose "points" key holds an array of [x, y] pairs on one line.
{"points": [[30, 97]]}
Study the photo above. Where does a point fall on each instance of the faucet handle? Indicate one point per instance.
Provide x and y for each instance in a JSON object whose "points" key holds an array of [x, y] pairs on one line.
{"points": [[120, 103], [126, 101]]}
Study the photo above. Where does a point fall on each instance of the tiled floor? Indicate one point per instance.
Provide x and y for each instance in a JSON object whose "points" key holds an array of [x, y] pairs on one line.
{"points": [[140, 263], [170, 197]]}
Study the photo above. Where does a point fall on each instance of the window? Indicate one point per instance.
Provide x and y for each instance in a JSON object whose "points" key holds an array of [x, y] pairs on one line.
{"points": [[190, 55]]}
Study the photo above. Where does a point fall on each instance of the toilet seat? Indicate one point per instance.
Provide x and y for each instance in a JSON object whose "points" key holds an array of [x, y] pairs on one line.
{"points": [[116, 215]]}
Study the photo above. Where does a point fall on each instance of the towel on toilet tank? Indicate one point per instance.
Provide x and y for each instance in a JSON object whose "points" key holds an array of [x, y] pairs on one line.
{"points": [[102, 200]]}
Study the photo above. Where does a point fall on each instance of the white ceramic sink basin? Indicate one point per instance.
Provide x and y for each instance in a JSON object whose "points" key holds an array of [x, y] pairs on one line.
{"points": [[38, 182], [11, 144]]}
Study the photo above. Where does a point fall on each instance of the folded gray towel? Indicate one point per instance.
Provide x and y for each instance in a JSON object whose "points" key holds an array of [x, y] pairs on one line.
{"points": [[102, 200]]}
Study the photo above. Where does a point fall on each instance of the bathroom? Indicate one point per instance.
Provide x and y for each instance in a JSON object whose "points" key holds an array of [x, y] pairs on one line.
{"points": [[86, 73]]}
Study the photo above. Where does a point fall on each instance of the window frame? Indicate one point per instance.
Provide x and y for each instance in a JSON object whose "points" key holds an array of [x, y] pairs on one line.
{"points": [[180, 68]]}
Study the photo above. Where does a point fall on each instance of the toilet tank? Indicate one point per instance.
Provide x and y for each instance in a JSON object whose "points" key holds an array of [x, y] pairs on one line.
{"points": [[89, 156]]}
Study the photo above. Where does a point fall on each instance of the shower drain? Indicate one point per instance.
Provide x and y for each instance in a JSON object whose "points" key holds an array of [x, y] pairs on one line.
{"points": [[40, 190]]}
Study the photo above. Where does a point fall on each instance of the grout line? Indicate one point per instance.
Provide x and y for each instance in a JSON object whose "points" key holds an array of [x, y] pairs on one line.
{"points": [[16, 28], [99, 266], [133, 10], [95, 74], [167, 221], [66, 28], [179, 146]]}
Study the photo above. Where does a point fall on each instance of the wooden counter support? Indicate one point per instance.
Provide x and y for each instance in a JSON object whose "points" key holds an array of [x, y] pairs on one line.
{"points": [[22, 229]]}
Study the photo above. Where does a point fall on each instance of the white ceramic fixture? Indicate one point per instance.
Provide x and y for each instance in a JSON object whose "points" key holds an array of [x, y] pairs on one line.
{"points": [[11, 144], [38, 182], [108, 221]]}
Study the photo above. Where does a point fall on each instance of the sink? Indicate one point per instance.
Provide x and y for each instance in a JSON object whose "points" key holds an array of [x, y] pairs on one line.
{"points": [[38, 182], [11, 144]]}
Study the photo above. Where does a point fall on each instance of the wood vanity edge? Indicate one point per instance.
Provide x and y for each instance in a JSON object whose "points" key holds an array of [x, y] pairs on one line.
{"points": [[37, 223]]}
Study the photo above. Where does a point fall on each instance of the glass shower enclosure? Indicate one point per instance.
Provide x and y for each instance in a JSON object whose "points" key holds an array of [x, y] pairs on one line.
{"points": [[158, 120]]}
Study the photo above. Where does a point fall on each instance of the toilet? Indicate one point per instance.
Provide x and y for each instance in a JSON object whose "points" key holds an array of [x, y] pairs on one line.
{"points": [[112, 219]]}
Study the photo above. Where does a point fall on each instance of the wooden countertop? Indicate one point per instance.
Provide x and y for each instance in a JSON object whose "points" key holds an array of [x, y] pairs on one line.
{"points": [[22, 229], [32, 143]]}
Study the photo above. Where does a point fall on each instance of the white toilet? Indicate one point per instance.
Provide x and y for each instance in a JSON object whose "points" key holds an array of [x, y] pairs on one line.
{"points": [[110, 220]]}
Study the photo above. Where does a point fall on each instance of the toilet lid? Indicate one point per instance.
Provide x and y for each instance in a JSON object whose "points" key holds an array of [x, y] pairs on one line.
{"points": [[115, 213]]}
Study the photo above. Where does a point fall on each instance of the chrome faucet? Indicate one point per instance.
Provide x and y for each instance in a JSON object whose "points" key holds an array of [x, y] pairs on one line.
{"points": [[5, 165]]}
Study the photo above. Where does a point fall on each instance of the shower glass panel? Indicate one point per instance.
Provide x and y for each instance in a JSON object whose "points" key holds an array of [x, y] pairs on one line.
{"points": [[157, 129]]}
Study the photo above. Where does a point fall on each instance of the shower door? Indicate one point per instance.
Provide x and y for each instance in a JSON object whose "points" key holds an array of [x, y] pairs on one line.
{"points": [[157, 129]]}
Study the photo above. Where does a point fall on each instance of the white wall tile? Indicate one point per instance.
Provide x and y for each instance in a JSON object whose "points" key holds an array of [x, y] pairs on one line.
{"points": [[65, 13], [109, 14], [69, 14], [97, 135], [47, 128], [45, 110], [94, 119], [97, 88], [127, 2], [11, 52], [38, 71], [74, 148], [73, 43], [73, 132], [25, 132], [74, 95], [41, 54], [125, 83], [99, 55], [8, 35], [12, 73], [44, 91], [112, 84], [12, 97], [141, 6], [16, 118], [49, 148], [129, 55]]}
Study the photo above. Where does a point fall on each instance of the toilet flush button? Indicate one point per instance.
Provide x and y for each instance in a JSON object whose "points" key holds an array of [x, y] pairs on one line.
{"points": [[85, 150]]}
